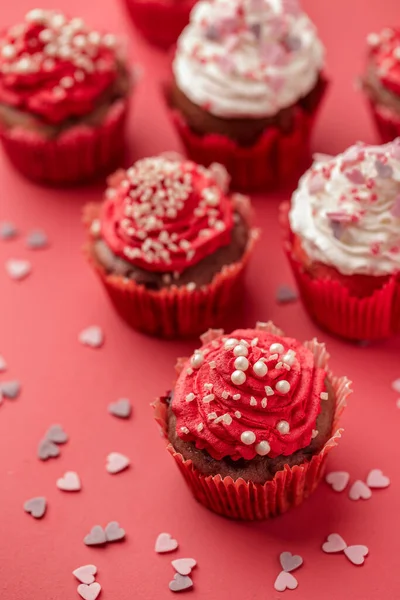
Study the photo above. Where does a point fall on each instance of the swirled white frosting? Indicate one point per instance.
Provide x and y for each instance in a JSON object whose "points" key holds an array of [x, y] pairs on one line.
{"points": [[346, 210], [247, 58]]}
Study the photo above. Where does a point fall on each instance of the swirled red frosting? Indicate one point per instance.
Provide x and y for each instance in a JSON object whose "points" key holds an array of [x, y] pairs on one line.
{"points": [[54, 67], [385, 56], [166, 214], [270, 410]]}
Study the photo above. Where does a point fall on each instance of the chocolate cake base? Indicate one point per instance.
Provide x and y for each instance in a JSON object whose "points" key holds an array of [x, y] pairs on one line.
{"points": [[261, 468]]}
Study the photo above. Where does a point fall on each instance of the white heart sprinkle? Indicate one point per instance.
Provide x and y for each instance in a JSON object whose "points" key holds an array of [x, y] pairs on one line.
{"points": [[8, 231], [85, 574], [180, 583], [338, 480], [359, 490], [396, 385], [89, 592], [92, 336], [122, 408], [18, 269], [70, 482], [334, 543], [37, 240], [36, 507], [116, 462], [290, 562], [165, 543], [285, 581], [377, 480], [356, 554], [184, 566]]}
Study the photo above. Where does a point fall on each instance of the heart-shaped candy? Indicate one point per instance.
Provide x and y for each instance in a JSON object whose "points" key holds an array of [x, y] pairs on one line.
{"points": [[8, 231], [165, 543], [89, 592], [114, 532], [36, 507], [47, 449], [377, 480], [122, 408], [56, 434], [396, 385], [290, 562], [18, 269], [116, 462], [334, 543], [338, 480], [359, 490], [70, 482], [180, 583], [96, 537], [92, 336], [85, 574], [285, 581], [184, 566], [37, 240], [356, 554], [285, 295], [10, 389]]}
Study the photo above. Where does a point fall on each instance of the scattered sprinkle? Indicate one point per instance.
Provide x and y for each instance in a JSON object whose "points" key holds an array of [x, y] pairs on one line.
{"points": [[70, 482], [285, 295], [121, 409], [96, 537], [184, 566], [10, 389], [165, 543], [116, 463], [37, 240], [85, 574], [114, 533], [18, 269], [92, 336], [89, 592], [396, 385], [285, 581], [338, 480], [180, 583], [335, 543], [377, 480], [359, 490], [36, 507], [8, 231], [47, 449], [56, 434]]}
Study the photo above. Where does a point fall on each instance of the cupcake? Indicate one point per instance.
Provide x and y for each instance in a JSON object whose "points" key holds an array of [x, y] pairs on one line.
{"points": [[247, 81], [381, 81], [251, 420], [160, 21], [343, 241], [170, 245], [63, 98]]}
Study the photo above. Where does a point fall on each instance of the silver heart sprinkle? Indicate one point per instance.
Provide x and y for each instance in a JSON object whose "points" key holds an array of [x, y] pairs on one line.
{"points": [[121, 409], [37, 240], [47, 449], [286, 294], [114, 532], [96, 537], [56, 434], [10, 389], [36, 507], [180, 583], [8, 231]]}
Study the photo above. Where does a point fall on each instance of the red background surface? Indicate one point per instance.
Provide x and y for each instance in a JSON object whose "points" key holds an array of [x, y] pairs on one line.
{"points": [[64, 382]]}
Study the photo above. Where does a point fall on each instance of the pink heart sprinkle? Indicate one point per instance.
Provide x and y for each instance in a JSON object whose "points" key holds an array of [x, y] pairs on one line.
{"points": [[285, 581], [85, 574], [338, 480], [355, 176], [359, 490], [70, 482], [334, 543], [184, 566], [290, 562], [89, 592], [377, 480], [356, 554], [165, 543]]}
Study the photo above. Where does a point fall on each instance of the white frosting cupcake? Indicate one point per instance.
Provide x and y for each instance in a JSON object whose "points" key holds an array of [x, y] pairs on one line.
{"points": [[248, 58], [346, 210]]}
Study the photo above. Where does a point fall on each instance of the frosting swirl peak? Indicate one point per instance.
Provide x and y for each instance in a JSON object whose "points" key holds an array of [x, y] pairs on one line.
{"points": [[252, 393], [384, 54]]}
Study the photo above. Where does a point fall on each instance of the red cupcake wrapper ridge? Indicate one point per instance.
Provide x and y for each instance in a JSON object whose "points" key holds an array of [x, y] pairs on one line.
{"points": [[387, 121]]}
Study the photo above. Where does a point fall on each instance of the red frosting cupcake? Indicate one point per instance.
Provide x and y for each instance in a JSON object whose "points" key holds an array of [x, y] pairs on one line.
{"points": [[160, 21], [63, 98], [170, 244], [381, 81], [251, 420]]}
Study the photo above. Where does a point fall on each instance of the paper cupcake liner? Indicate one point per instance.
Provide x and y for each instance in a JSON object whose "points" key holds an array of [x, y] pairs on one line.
{"points": [[276, 158], [386, 121], [332, 306], [172, 312], [253, 501], [78, 154], [160, 21]]}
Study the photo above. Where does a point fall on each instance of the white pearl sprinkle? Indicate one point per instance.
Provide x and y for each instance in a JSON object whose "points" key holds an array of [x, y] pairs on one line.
{"points": [[324, 396], [58, 21], [197, 360], [46, 35], [230, 343], [260, 368], [283, 386], [23, 65], [236, 396], [276, 348], [253, 401], [248, 437], [373, 39], [190, 397], [109, 40], [35, 16], [209, 398], [240, 350], [238, 377], [79, 41], [283, 427], [65, 51], [289, 357], [241, 363], [94, 37], [238, 414], [263, 448], [8, 51], [66, 82]]}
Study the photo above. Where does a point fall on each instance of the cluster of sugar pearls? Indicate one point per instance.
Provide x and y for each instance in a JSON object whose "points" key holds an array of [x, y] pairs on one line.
{"points": [[158, 189], [386, 38], [240, 348], [60, 38]]}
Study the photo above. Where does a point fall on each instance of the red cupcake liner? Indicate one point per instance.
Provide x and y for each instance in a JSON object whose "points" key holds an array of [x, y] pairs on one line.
{"points": [[253, 501], [386, 121], [276, 158], [172, 312], [160, 21], [78, 154], [334, 308]]}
